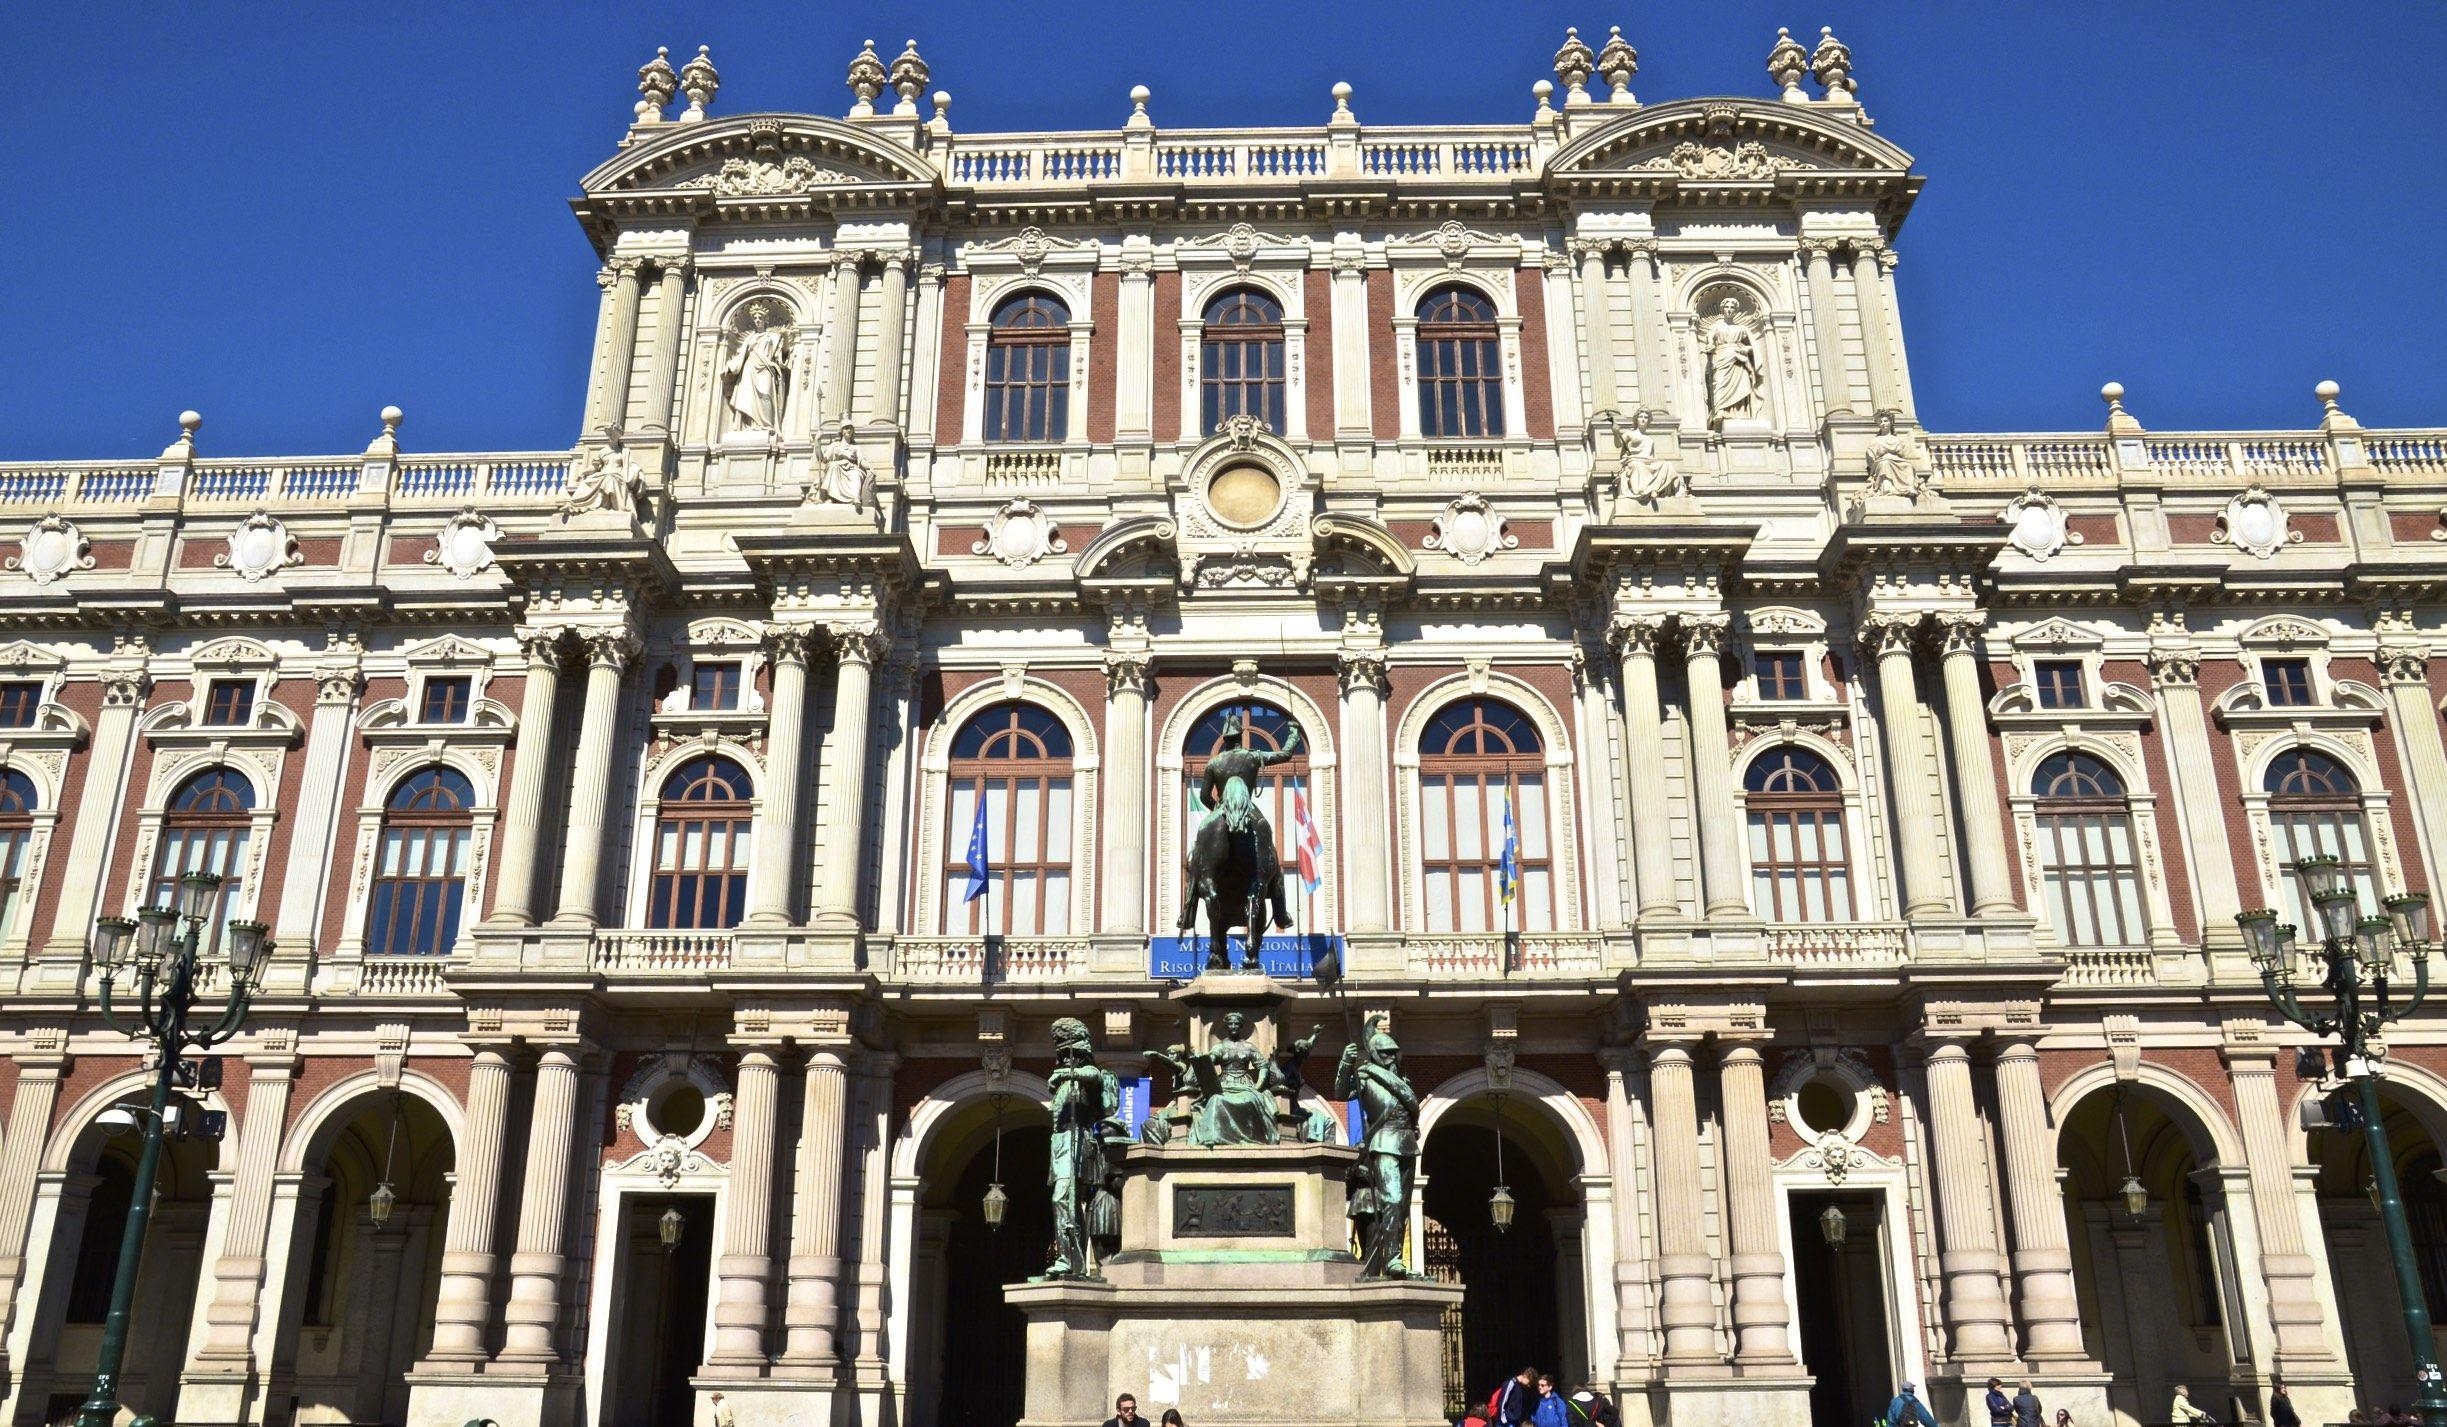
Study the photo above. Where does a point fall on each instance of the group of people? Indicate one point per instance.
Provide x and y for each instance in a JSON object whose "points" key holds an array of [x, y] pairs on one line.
{"points": [[1530, 1398]]}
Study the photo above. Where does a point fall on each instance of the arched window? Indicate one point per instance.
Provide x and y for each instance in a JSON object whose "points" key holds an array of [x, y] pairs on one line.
{"points": [[1478, 758], [2087, 869], [420, 880], [206, 830], [1014, 760], [2315, 809], [701, 846], [17, 804], [1028, 370], [1800, 870], [1240, 360], [1461, 369]]}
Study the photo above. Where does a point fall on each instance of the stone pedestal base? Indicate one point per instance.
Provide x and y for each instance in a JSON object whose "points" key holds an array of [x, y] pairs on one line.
{"points": [[1688, 1401], [217, 1396], [511, 1399], [770, 1402]]}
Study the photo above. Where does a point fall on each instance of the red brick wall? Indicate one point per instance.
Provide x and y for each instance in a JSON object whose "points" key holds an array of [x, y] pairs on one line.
{"points": [[2171, 845], [2391, 777], [2094, 529], [1384, 383], [2316, 529], [1104, 307], [952, 398], [113, 554], [1317, 298], [85, 697], [2191, 529], [298, 696], [2216, 678], [1537, 378], [2407, 525], [1166, 407]]}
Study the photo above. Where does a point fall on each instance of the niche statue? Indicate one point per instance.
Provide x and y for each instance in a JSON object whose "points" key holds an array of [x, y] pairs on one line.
{"points": [[1087, 1144]]}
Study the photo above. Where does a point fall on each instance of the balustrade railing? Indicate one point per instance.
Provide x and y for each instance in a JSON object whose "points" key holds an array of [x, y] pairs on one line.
{"points": [[1837, 947], [401, 976], [670, 953], [1504, 954], [2110, 966], [982, 959]]}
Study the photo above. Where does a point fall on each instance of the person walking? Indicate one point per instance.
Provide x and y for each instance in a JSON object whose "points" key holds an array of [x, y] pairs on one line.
{"points": [[1907, 1410], [2281, 1407], [1549, 1410], [1515, 1400], [2184, 1414], [1591, 1408], [2000, 1407], [1125, 1413], [2027, 1411]]}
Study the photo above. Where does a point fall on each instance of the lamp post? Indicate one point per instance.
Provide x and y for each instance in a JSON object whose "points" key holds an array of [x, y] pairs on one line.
{"points": [[168, 951], [2358, 953]]}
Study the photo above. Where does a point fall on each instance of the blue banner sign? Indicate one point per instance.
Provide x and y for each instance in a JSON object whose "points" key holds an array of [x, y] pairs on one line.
{"points": [[1356, 1122], [1283, 956], [1136, 1093]]}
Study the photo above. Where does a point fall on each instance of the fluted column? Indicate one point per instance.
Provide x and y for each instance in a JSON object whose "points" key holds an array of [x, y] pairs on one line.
{"points": [[2043, 1257], [1369, 903], [1889, 637], [840, 341], [1124, 854], [2406, 669], [29, 1124], [662, 370], [465, 1301], [1877, 343], [1975, 1305], [844, 818], [813, 1315], [745, 1270], [1634, 1306], [2286, 1264], [1682, 1244], [2176, 671], [1718, 816], [1648, 335], [891, 329], [533, 1315], [1975, 776], [516, 898], [1652, 834], [607, 657], [776, 847], [873, 1147], [1597, 324], [1827, 326], [237, 1273], [1760, 1318], [623, 282]]}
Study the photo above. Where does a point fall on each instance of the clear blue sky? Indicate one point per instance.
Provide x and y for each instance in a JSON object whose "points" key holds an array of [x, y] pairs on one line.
{"points": [[289, 215]]}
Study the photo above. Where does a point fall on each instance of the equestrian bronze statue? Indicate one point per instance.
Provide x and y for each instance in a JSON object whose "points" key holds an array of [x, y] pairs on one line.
{"points": [[1235, 871]]}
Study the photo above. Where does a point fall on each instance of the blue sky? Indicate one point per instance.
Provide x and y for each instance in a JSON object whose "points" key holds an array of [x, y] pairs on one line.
{"points": [[287, 216]]}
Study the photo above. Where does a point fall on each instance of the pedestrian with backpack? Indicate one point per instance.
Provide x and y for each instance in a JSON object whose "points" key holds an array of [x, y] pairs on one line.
{"points": [[1511, 1404], [1906, 1410], [1590, 1408]]}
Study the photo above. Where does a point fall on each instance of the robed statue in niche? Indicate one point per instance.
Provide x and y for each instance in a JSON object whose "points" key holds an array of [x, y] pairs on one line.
{"points": [[756, 369], [1737, 371]]}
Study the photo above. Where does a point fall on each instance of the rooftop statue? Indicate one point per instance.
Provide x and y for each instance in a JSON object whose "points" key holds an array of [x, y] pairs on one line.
{"points": [[1234, 867], [845, 478], [1891, 472], [604, 478], [1644, 476]]}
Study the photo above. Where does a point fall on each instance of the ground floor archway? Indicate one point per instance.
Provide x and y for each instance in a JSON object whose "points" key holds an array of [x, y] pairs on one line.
{"points": [[1523, 1302], [968, 1354], [1843, 1302], [2360, 1274]]}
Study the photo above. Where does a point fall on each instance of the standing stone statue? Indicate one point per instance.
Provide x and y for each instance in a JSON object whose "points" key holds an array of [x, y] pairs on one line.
{"points": [[1087, 1109], [845, 478], [756, 368], [1891, 472], [1737, 376], [1381, 1182]]}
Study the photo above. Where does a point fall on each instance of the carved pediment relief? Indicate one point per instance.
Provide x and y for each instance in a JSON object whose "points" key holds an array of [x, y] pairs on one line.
{"points": [[758, 156], [1728, 141]]}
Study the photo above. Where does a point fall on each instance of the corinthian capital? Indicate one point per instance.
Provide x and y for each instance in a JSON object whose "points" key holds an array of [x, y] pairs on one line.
{"points": [[1958, 631], [1889, 633], [1583, 249], [1704, 634], [860, 644], [125, 688], [791, 643], [1361, 669], [542, 647], [1636, 634], [2407, 664], [2175, 668], [1126, 671], [613, 649]]}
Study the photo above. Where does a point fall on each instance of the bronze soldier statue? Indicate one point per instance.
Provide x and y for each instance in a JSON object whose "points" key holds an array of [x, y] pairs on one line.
{"points": [[1381, 1182]]}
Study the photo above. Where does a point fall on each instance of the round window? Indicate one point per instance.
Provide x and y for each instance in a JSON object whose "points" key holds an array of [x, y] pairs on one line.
{"points": [[1823, 1106], [1244, 495], [677, 1109]]}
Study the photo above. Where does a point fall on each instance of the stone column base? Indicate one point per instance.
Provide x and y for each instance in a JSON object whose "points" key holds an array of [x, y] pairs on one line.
{"points": [[219, 1396], [1731, 1401], [1958, 1396], [767, 1402], [513, 1399]]}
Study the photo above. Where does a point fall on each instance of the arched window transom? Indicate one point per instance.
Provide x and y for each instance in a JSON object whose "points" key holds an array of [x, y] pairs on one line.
{"points": [[1240, 360], [1800, 866], [1014, 761], [420, 880], [1478, 756], [701, 840], [1461, 367], [2315, 810], [1028, 370], [2089, 872], [206, 829]]}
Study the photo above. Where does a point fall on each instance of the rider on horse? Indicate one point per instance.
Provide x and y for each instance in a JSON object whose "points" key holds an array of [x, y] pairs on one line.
{"points": [[1225, 788]]}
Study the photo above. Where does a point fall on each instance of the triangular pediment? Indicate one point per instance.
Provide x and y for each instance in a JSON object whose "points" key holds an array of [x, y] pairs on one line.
{"points": [[1729, 141], [759, 156]]}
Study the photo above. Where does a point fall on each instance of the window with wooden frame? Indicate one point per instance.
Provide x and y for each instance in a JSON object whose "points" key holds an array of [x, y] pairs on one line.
{"points": [[18, 801], [1800, 867], [2059, 684], [420, 877], [1028, 370], [446, 698], [2288, 682], [1461, 366], [206, 828], [1477, 757], [2089, 873], [714, 685], [2315, 810], [1015, 760], [1240, 360], [229, 702], [20, 702], [1780, 675], [701, 837]]}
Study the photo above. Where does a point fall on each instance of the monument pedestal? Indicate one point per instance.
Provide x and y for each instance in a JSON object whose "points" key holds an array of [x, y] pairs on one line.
{"points": [[1235, 1297]]}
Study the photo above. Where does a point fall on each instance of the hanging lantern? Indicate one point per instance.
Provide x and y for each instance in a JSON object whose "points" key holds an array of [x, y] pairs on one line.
{"points": [[2136, 1198], [1500, 1207], [1833, 1226], [380, 1203], [670, 1227], [996, 1205]]}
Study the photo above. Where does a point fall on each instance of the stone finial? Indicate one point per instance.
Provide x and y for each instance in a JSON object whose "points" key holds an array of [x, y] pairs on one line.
{"points": [[699, 82], [942, 122], [184, 447], [1573, 65], [1831, 63], [2332, 416], [866, 81], [1139, 117], [1543, 91], [2119, 421], [1786, 64], [656, 83], [1342, 104], [909, 76], [1616, 64], [387, 444]]}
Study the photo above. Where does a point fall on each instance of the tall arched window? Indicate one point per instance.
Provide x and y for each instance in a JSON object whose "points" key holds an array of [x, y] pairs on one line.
{"points": [[17, 804], [1016, 758], [2087, 868], [1461, 368], [1476, 757], [2315, 810], [1800, 869], [701, 846], [420, 881], [1240, 360], [206, 829], [1028, 370]]}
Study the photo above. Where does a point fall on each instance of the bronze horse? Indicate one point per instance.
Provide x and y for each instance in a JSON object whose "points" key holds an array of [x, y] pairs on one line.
{"points": [[1233, 871]]}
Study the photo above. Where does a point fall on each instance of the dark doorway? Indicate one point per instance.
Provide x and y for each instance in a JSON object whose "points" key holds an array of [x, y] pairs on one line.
{"points": [[985, 1340], [1840, 1301], [1508, 1281], [661, 1303]]}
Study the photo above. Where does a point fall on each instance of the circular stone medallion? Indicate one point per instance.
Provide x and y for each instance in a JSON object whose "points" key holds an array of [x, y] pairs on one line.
{"points": [[1245, 496]]}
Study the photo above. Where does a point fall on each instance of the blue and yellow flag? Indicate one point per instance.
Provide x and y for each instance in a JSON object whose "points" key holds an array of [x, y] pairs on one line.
{"points": [[979, 876], [1508, 867]]}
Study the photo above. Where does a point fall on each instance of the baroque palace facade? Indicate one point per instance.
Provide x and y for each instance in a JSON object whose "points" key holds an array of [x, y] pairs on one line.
{"points": [[1872, 1007]]}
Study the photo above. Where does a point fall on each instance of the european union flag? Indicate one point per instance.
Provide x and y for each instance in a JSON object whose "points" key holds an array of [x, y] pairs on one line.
{"points": [[979, 877], [1508, 867]]}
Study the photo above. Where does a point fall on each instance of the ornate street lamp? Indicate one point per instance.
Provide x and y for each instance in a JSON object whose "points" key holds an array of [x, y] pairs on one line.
{"points": [[166, 953], [385, 1198], [2136, 1198], [2358, 953], [1833, 1226], [1499, 1204], [996, 1203], [670, 1227]]}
